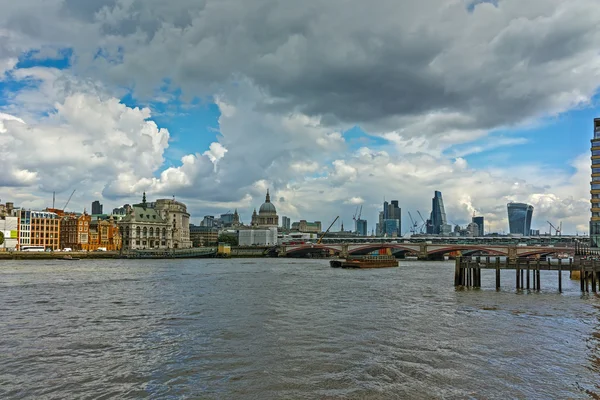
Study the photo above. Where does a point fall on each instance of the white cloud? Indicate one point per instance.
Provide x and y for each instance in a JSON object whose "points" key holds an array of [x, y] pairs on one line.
{"points": [[434, 80]]}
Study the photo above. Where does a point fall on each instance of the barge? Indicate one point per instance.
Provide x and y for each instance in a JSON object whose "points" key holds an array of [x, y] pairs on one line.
{"points": [[378, 261]]}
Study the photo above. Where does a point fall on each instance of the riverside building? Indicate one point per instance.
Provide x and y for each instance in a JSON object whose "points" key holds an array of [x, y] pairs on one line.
{"points": [[595, 187]]}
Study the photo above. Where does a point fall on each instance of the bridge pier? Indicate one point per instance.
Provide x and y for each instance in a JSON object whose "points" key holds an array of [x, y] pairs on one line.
{"points": [[423, 255], [344, 253]]}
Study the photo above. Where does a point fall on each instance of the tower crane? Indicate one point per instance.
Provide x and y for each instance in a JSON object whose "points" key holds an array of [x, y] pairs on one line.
{"points": [[422, 219], [67, 203], [325, 233], [413, 228], [557, 231]]}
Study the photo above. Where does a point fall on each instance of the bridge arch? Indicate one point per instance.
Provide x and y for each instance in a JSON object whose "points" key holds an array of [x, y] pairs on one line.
{"points": [[308, 248], [376, 246], [472, 248]]}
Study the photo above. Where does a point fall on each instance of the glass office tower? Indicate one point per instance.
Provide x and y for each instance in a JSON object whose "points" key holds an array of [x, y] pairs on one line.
{"points": [[438, 216], [519, 218], [595, 187]]}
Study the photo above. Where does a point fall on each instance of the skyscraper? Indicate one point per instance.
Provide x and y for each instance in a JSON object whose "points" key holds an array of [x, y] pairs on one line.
{"points": [[286, 223], [361, 227], [96, 208], [438, 215], [519, 218], [595, 187], [391, 212], [480, 225]]}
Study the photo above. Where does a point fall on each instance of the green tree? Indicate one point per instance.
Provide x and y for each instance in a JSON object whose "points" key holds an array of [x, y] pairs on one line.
{"points": [[225, 238], [1, 237]]}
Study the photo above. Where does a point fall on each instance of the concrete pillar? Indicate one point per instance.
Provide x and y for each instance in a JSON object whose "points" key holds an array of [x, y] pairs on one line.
{"points": [[344, 252], [512, 253], [423, 251], [282, 251]]}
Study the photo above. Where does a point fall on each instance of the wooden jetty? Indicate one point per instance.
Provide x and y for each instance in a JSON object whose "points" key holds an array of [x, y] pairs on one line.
{"points": [[467, 272]]}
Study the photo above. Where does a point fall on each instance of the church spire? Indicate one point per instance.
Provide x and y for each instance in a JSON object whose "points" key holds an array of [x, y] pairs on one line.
{"points": [[144, 200], [268, 198]]}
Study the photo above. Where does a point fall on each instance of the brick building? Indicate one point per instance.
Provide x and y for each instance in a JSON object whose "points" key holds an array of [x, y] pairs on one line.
{"points": [[75, 231]]}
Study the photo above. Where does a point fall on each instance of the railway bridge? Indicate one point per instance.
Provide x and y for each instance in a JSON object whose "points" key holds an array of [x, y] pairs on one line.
{"points": [[422, 250]]}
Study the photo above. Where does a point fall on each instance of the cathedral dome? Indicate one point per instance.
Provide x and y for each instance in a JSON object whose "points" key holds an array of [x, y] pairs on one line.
{"points": [[267, 207]]}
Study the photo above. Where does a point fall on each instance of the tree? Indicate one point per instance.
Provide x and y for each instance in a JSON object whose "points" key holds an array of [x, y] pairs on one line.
{"points": [[1, 237], [231, 239]]}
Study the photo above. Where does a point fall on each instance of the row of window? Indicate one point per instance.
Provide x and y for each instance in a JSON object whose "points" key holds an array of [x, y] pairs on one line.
{"points": [[145, 243]]}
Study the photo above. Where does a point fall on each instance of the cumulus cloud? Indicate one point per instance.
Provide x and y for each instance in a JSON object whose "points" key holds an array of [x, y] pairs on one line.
{"points": [[432, 79]]}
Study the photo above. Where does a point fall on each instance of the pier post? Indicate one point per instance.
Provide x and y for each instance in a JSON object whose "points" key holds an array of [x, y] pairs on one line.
{"points": [[518, 275], [538, 283], [497, 273], [560, 274], [457, 271], [528, 268], [593, 280], [581, 278]]}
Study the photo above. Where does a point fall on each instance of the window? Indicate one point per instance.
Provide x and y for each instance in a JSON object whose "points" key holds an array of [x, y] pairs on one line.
{"points": [[145, 232], [595, 186]]}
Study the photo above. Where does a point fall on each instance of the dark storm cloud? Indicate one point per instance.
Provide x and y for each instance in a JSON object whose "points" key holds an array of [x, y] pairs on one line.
{"points": [[377, 64]]}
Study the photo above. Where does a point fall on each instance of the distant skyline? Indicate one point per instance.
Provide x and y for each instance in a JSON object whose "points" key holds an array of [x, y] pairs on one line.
{"points": [[216, 101]]}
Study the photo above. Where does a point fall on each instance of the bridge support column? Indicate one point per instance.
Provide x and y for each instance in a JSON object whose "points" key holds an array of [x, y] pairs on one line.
{"points": [[423, 255], [344, 252], [282, 252], [512, 253]]}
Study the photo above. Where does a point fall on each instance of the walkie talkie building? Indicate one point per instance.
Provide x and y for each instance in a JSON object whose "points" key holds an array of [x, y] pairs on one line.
{"points": [[519, 218]]}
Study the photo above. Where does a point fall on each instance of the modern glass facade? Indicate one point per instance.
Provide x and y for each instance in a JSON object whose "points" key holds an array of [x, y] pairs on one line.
{"points": [[519, 218], [361, 227], [595, 187], [391, 227], [439, 225], [480, 225]]}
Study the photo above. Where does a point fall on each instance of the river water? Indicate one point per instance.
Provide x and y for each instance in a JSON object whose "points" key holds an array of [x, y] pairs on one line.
{"points": [[288, 329]]}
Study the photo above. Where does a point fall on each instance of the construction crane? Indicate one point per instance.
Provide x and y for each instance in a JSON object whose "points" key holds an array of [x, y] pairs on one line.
{"points": [[557, 231], [422, 219], [413, 228], [67, 203], [325, 233]]}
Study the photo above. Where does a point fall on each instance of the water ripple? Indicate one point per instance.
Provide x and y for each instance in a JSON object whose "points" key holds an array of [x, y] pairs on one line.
{"points": [[272, 329]]}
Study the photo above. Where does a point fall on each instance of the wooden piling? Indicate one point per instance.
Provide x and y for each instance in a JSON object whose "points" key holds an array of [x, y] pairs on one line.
{"points": [[497, 273], [518, 275], [593, 274], [538, 283], [534, 275], [457, 271], [528, 268], [581, 279]]}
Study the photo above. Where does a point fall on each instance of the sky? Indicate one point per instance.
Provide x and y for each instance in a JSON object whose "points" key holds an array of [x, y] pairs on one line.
{"points": [[329, 104]]}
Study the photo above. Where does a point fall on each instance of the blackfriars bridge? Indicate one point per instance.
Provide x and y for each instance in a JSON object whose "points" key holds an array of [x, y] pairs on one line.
{"points": [[422, 250]]}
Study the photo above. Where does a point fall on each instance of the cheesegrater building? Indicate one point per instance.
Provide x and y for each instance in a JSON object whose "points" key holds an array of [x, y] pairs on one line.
{"points": [[595, 187]]}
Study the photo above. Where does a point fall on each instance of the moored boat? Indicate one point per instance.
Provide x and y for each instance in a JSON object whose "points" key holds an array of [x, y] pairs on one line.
{"points": [[377, 261]]}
